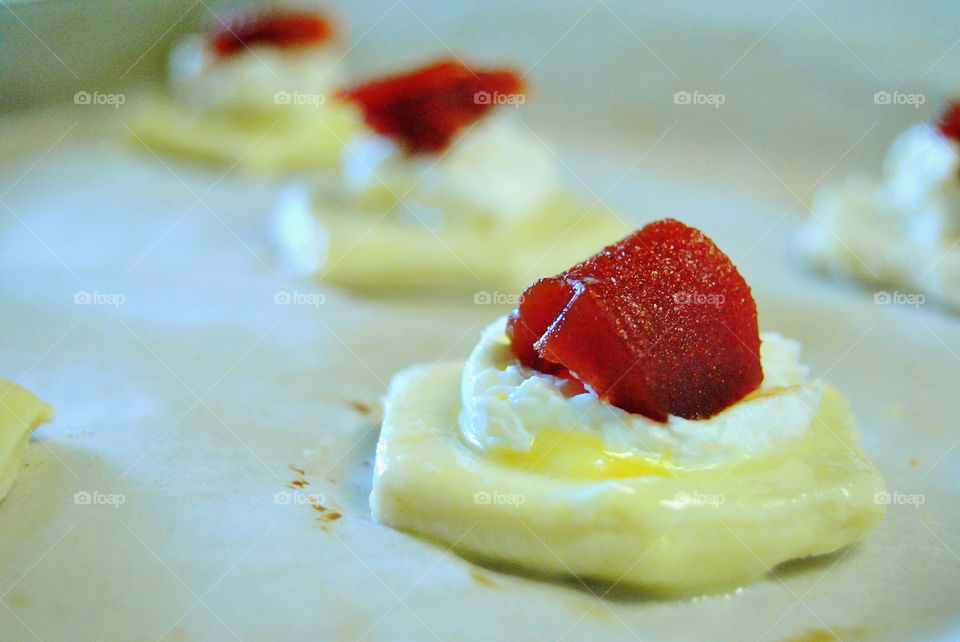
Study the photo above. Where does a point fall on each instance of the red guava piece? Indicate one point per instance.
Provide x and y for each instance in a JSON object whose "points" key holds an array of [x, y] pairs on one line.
{"points": [[660, 323], [284, 30], [948, 119], [422, 110]]}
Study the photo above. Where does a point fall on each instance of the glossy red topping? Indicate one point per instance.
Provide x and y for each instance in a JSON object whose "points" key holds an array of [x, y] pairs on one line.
{"points": [[660, 323], [424, 109], [948, 119], [286, 30]]}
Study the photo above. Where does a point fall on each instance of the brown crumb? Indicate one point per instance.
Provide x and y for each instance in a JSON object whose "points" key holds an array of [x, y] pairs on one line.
{"points": [[914, 462], [483, 579], [299, 471], [360, 407], [332, 516], [325, 515], [365, 463], [300, 483]]}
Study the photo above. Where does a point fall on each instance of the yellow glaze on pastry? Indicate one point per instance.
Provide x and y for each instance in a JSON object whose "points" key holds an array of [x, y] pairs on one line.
{"points": [[578, 455]]}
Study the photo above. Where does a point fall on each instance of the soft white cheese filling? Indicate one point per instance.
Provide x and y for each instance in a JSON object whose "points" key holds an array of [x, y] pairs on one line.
{"points": [[505, 404], [921, 187], [260, 79], [494, 170]]}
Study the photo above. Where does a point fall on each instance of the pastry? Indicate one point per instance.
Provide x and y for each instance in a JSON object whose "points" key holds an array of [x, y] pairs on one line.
{"points": [[900, 234], [628, 423], [20, 414], [255, 91], [445, 189]]}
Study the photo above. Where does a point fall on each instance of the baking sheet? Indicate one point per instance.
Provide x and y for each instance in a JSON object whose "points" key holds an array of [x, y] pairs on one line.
{"points": [[189, 401]]}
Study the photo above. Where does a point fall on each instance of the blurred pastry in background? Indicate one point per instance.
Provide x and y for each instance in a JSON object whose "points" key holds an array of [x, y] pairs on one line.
{"points": [[254, 90], [20, 414], [444, 189], [901, 232]]}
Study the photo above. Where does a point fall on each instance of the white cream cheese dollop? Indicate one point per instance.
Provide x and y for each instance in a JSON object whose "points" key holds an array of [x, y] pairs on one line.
{"points": [[921, 188], [505, 404], [260, 79], [900, 233], [493, 171]]}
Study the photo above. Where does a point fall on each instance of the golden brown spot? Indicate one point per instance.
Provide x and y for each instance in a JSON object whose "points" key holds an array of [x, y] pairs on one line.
{"points": [[360, 407], [483, 579], [327, 517], [914, 462], [828, 635]]}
